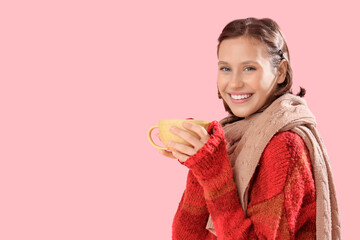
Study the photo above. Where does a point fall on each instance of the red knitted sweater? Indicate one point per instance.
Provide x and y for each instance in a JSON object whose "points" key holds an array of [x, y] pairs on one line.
{"points": [[281, 196]]}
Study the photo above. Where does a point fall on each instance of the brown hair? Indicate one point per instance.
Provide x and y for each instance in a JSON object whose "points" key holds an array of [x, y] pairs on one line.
{"points": [[268, 32]]}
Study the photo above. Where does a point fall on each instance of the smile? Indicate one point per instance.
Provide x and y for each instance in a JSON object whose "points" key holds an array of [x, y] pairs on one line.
{"points": [[240, 98]]}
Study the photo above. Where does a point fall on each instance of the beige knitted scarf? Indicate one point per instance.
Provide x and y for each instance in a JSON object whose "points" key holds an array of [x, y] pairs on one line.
{"points": [[248, 137]]}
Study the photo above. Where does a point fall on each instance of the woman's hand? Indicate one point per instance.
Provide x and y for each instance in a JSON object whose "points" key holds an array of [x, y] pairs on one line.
{"points": [[181, 151]]}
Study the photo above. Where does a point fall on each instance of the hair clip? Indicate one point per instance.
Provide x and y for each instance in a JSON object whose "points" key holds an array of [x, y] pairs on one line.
{"points": [[281, 54]]}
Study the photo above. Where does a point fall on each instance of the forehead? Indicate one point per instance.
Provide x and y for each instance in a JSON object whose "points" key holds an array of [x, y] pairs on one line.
{"points": [[242, 49]]}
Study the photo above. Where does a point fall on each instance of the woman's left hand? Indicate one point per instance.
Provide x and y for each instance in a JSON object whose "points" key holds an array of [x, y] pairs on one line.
{"points": [[181, 151]]}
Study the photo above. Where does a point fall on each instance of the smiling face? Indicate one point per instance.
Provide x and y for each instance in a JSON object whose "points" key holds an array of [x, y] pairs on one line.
{"points": [[246, 78]]}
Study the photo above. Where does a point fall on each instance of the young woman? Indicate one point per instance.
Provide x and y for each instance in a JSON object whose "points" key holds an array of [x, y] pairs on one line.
{"points": [[254, 174]]}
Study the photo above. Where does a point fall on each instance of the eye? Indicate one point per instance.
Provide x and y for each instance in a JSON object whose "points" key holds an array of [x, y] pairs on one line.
{"points": [[225, 69], [251, 68]]}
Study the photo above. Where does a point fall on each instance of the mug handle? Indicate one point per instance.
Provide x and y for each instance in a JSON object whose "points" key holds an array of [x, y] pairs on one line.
{"points": [[152, 141]]}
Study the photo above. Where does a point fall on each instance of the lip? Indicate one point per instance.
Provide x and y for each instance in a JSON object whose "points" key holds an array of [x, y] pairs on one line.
{"points": [[239, 93], [239, 100]]}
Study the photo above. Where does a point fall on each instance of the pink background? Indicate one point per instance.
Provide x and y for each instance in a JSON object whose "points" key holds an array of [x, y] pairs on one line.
{"points": [[82, 81]]}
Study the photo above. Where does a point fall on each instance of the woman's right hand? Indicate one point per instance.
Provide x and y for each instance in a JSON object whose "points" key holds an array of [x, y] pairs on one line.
{"points": [[167, 153]]}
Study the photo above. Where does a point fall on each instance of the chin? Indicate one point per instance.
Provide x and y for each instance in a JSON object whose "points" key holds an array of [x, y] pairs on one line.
{"points": [[246, 111], [241, 114]]}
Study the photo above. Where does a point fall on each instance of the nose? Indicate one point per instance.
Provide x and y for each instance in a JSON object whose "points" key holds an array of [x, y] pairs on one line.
{"points": [[236, 81]]}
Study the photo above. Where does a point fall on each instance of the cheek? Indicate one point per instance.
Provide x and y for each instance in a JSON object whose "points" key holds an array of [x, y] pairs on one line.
{"points": [[253, 82], [221, 83], [261, 84]]}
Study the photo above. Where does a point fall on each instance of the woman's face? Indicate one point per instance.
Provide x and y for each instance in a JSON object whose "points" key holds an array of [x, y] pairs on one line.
{"points": [[246, 78]]}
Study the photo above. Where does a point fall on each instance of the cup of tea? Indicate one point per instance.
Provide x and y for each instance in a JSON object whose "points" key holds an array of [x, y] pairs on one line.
{"points": [[164, 131]]}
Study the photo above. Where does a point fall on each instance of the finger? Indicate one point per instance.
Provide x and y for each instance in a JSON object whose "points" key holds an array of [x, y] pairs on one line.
{"points": [[158, 136], [188, 137], [180, 156], [181, 148], [199, 130], [167, 153]]}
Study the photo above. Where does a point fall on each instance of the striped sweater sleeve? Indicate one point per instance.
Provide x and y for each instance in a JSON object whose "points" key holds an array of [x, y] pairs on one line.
{"points": [[192, 214], [282, 194]]}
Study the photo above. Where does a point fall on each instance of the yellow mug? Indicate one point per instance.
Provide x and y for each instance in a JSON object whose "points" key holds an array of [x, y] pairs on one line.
{"points": [[164, 131]]}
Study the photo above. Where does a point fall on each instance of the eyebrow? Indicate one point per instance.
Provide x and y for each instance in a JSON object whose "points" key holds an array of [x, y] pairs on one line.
{"points": [[245, 62]]}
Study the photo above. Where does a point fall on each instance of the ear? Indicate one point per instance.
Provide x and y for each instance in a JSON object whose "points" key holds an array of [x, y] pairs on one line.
{"points": [[282, 71]]}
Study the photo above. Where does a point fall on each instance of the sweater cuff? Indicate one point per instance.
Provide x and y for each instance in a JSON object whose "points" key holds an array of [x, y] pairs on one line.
{"points": [[208, 161], [216, 137]]}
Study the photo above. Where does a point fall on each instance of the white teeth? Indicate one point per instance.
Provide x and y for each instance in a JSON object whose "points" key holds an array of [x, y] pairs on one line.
{"points": [[237, 97]]}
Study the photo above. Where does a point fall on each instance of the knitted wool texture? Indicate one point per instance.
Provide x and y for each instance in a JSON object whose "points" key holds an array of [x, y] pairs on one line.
{"points": [[281, 203], [248, 138]]}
